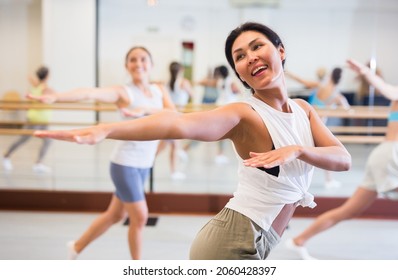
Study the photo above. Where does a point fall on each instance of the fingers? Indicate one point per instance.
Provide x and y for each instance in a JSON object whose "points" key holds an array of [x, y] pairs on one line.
{"points": [[124, 111], [86, 139], [30, 96], [79, 137], [254, 154], [354, 65], [261, 160], [260, 163], [58, 135], [350, 63]]}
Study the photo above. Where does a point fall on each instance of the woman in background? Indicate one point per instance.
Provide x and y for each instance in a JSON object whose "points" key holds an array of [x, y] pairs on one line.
{"points": [[228, 93], [381, 171], [131, 161], [37, 119], [181, 93], [326, 94]]}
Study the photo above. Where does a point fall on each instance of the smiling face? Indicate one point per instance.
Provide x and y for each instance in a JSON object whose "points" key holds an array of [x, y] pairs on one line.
{"points": [[139, 64], [257, 61]]}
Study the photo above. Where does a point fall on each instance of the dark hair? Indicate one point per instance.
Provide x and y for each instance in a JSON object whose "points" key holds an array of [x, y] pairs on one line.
{"points": [[138, 47], [250, 26], [336, 75], [174, 68], [216, 72], [223, 71], [42, 73]]}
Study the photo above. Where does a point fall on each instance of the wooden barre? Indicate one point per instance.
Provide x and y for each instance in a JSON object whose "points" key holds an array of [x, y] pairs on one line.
{"points": [[358, 129], [89, 106], [356, 112], [360, 139], [57, 106], [22, 123], [16, 131]]}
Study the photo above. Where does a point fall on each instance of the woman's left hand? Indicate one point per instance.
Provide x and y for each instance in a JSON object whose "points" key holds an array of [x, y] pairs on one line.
{"points": [[273, 158]]}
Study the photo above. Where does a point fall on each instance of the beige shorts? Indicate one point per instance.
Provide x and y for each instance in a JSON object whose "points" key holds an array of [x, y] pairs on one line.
{"points": [[232, 236], [381, 171]]}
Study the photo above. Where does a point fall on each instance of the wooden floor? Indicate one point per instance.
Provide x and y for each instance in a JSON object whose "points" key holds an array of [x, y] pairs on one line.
{"points": [[43, 235], [38, 235]]}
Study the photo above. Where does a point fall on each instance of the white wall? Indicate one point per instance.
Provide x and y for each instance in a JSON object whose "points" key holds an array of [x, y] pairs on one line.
{"points": [[315, 32], [57, 33], [20, 48], [162, 29], [327, 34], [69, 48]]}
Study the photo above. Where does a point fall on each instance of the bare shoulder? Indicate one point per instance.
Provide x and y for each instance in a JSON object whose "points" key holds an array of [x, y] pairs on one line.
{"points": [[244, 110], [304, 105], [123, 98], [161, 85], [394, 105], [301, 102], [239, 106], [119, 89]]}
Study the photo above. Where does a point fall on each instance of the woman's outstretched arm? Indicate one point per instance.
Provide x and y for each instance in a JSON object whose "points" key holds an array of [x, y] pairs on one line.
{"points": [[389, 91], [115, 94], [203, 126]]}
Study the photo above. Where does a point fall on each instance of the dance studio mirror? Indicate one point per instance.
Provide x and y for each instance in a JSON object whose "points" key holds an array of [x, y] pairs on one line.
{"points": [[84, 44]]}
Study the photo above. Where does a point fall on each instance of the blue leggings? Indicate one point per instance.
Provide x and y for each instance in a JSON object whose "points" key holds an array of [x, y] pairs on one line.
{"points": [[129, 182]]}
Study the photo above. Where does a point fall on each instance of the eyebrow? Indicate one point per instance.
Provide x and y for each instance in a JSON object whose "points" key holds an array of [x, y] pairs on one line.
{"points": [[250, 44]]}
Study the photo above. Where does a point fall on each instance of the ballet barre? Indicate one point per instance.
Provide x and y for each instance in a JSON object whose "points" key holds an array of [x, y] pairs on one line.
{"points": [[25, 105], [346, 134], [357, 134], [355, 112]]}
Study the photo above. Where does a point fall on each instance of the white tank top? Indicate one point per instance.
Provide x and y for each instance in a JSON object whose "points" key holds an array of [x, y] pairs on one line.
{"points": [[261, 196], [179, 96], [139, 154], [226, 95]]}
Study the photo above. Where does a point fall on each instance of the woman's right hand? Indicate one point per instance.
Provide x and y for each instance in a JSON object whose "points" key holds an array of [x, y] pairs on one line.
{"points": [[357, 67], [91, 135]]}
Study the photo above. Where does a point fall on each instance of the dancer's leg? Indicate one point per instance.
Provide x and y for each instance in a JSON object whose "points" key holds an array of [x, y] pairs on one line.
{"points": [[138, 216], [43, 150], [21, 140], [354, 206], [102, 223]]}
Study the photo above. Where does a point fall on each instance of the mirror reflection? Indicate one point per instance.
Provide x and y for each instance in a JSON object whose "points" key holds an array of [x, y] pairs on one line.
{"points": [[81, 53]]}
